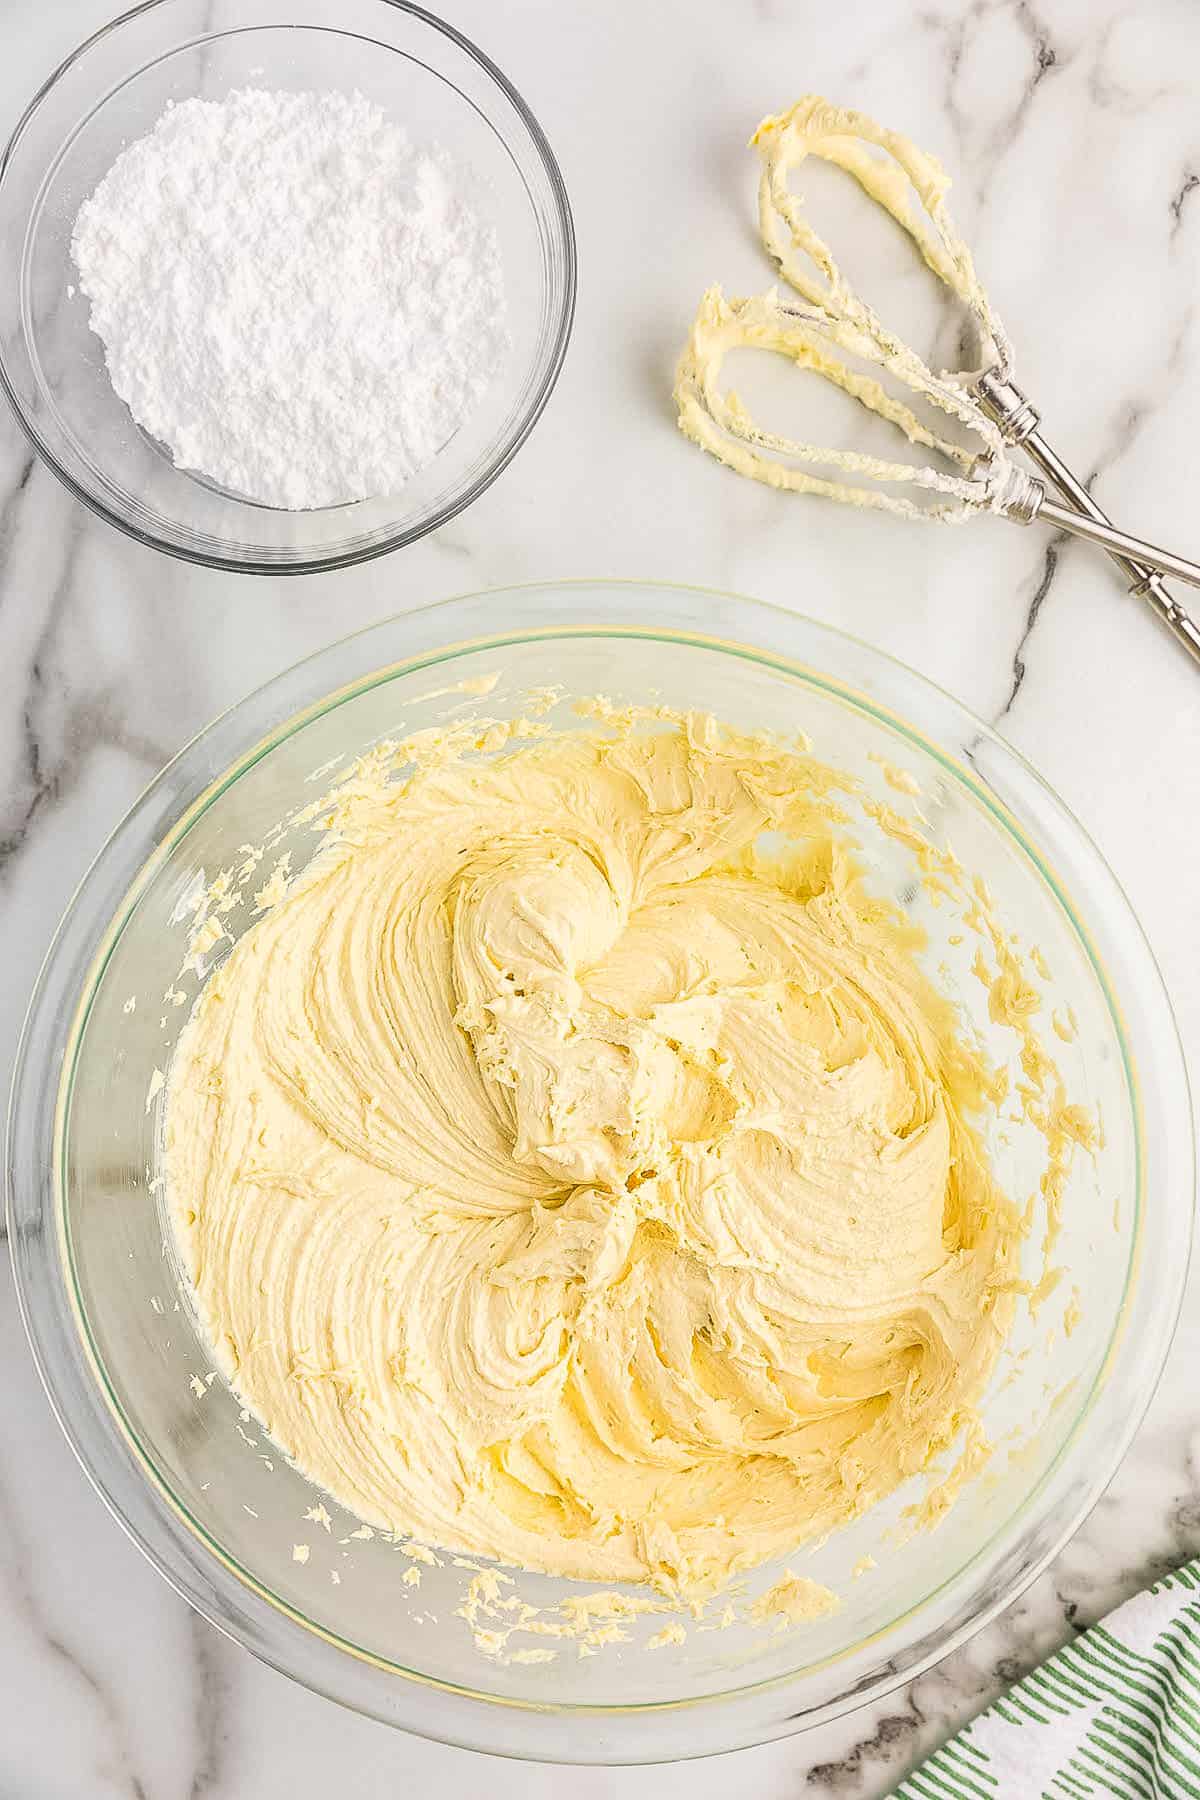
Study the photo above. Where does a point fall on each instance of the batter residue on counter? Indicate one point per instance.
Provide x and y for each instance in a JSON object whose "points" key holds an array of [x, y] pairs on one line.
{"points": [[568, 1177]]}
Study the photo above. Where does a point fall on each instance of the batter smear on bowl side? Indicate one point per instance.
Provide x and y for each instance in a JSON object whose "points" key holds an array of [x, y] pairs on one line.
{"points": [[576, 1167]]}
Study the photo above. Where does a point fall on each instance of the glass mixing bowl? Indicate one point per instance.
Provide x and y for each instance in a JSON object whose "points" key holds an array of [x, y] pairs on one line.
{"points": [[113, 89], [110, 1320]]}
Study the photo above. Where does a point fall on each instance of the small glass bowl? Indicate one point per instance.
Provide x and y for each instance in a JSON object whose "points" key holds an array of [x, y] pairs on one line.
{"points": [[111, 91], [114, 1332]]}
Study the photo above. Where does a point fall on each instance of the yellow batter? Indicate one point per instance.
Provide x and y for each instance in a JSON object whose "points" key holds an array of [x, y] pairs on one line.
{"points": [[566, 1179], [823, 327]]}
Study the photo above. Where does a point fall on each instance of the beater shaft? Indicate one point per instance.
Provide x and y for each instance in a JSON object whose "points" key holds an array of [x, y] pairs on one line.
{"points": [[1142, 563]]}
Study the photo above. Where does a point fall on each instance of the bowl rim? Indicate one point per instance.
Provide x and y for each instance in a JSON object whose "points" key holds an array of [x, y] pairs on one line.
{"points": [[508, 447], [426, 621]]}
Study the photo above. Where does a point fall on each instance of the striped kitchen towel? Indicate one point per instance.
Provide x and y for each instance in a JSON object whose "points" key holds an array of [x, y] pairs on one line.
{"points": [[1116, 1713]]}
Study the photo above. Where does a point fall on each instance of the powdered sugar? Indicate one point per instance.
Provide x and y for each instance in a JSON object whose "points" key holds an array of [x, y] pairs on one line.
{"points": [[300, 303]]}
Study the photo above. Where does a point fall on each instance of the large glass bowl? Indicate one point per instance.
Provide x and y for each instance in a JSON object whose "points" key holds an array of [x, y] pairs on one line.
{"points": [[111, 1324], [114, 88]]}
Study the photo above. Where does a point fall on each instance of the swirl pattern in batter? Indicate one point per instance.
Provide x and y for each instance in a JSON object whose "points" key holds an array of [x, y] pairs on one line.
{"points": [[569, 1177]]}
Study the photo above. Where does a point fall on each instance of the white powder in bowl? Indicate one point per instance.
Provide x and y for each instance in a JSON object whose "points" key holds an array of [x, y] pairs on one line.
{"points": [[297, 301]]}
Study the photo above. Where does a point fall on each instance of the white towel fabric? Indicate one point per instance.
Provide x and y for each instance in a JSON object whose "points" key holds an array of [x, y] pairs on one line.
{"points": [[1115, 1714]]}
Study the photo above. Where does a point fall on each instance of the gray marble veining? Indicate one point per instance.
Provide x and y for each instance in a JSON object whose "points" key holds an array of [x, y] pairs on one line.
{"points": [[1074, 130]]}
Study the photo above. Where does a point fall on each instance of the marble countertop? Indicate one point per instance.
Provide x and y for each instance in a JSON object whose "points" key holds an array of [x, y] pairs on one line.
{"points": [[1074, 130]]}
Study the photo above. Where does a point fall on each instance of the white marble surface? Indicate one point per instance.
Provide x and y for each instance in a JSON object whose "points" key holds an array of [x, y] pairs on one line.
{"points": [[1075, 131]]}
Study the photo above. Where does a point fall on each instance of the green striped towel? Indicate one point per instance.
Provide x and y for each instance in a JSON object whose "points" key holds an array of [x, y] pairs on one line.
{"points": [[1116, 1713]]}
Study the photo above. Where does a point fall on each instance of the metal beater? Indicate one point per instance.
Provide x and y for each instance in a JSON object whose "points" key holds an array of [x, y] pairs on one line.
{"points": [[831, 330], [1143, 564]]}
